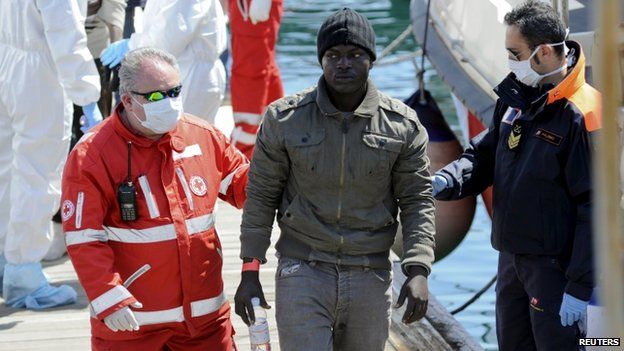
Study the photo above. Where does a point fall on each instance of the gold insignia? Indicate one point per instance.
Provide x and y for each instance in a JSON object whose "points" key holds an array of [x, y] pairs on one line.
{"points": [[514, 137]]}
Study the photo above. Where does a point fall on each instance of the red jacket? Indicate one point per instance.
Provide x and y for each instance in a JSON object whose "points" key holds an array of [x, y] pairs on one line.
{"points": [[178, 179]]}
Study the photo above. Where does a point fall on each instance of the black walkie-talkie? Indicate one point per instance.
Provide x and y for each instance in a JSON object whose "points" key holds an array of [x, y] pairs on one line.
{"points": [[126, 194]]}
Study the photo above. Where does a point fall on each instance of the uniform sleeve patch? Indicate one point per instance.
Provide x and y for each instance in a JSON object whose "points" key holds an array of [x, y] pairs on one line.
{"points": [[549, 136], [510, 115], [67, 210], [198, 186]]}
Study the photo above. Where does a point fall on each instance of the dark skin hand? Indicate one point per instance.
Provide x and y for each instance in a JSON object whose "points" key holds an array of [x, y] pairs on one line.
{"points": [[345, 71], [415, 290], [249, 287]]}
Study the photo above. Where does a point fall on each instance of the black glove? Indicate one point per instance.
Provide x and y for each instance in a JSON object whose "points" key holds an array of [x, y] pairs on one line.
{"points": [[249, 287], [416, 291]]}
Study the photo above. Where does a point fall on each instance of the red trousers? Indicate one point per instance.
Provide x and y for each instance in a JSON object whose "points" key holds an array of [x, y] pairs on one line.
{"points": [[255, 81], [214, 336]]}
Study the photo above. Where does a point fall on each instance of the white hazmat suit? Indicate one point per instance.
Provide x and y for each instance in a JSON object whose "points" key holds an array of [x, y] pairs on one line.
{"points": [[194, 31], [45, 66]]}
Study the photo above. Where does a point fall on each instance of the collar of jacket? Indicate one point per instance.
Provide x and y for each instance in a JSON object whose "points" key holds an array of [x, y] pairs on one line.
{"points": [[575, 78], [368, 107], [172, 138], [548, 94]]}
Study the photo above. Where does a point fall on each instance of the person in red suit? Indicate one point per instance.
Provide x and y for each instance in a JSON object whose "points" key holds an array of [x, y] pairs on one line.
{"points": [[255, 81], [139, 193]]}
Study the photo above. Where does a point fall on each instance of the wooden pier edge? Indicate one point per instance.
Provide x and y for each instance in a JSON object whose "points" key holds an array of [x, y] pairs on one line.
{"points": [[437, 331]]}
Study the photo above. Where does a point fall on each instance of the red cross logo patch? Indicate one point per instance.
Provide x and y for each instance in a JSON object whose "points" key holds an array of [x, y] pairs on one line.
{"points": [[67, 210], [198, 186]]}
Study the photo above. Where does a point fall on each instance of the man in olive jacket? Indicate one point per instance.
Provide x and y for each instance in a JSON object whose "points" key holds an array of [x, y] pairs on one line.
{"points": [[337, 162]]}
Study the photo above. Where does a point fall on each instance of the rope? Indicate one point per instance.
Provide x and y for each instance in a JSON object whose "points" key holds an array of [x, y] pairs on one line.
{"points": [[396, 42], [401, 58], [475, 297], [421, 73]]}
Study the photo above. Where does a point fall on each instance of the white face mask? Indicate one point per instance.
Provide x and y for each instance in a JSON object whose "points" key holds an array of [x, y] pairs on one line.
{"points": [[161, 116], [525, 73]]}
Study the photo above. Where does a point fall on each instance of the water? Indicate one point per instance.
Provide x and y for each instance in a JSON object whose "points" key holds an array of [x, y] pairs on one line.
{"points": [[456, 278]]}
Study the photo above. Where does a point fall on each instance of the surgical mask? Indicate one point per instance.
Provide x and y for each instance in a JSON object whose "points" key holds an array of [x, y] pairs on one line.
{"points": [[526, 74], [161, 116]]}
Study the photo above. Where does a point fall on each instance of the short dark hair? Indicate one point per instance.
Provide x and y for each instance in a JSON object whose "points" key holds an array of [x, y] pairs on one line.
{"points": [[539, 23]]}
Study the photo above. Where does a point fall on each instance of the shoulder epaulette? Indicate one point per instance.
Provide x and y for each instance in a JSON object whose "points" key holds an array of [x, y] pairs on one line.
{"points": [[293, 101], [397, 106]]}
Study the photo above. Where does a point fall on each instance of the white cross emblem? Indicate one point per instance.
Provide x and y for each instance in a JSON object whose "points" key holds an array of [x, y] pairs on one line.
{"points": [[67, 210], [198, 186]]}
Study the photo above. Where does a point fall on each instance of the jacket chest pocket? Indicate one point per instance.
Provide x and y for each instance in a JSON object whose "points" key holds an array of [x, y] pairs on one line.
{"points": [[377, 155], [304, 150]]}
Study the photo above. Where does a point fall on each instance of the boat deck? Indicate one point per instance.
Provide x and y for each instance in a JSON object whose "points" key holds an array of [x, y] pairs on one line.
{"points": [[67, 328]]}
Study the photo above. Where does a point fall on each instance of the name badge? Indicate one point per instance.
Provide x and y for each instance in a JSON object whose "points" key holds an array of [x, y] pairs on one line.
{"points": [[549, 136]]}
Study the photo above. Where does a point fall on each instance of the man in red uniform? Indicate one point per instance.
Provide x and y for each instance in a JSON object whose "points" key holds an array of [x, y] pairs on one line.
{"points": [[255, 80], [139, 193]]}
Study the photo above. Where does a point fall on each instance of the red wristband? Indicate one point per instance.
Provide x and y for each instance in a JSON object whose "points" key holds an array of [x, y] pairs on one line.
{"points": [[254, 265]]}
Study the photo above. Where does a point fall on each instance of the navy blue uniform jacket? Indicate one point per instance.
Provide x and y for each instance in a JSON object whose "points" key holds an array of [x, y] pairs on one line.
{"points": [[537, 154]]}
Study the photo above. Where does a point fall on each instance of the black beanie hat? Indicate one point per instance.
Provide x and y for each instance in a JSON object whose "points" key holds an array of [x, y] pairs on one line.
{"points": [[346, 27]]}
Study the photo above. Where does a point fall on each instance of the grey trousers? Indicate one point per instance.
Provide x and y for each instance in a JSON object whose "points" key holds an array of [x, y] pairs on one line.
{"points": [[325, 307]]}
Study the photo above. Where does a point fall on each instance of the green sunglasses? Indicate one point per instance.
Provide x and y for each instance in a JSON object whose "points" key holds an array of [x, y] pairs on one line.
{"points": [[158, 95]]}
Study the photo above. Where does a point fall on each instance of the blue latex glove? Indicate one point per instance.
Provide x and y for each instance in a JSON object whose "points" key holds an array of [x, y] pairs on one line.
{"points": [[114, 53], [572, 309], [439, 184], [91, 117], [25, 286]]}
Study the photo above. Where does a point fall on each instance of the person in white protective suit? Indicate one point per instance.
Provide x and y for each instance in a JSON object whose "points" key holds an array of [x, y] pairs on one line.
{"points": [[194, 32], [45, 67]]}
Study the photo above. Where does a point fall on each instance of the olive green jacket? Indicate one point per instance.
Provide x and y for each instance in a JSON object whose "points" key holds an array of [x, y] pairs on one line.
{"points": [[337, 182]]}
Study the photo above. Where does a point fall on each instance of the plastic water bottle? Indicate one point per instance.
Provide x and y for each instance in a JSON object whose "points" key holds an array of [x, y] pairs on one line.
{"points": [[259, 331]]}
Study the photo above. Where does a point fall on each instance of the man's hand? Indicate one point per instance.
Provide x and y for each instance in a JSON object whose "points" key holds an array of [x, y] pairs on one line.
{"points": [[249, 287], [416, 291], [572, 310], [114, 53], [123, 319], [439, 184], [259, 10]]}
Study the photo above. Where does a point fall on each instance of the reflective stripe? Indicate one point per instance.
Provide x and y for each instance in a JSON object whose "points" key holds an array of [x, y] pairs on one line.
{"points": [[110, 298], [79, 204], [250, 118], [149, 197], [159, 233], [198, 309], [199, 224], [189, 151], [242, 8], [84, 236], [148, 235], [139, 272], [164, 316], [240, 136], [225, 183], [187, 191], [207, 306]]}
